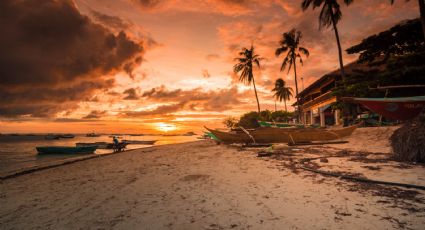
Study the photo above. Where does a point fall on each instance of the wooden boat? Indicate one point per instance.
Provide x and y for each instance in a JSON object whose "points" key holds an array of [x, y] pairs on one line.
{"points": [[144, 142], [92, 135], [100, 145], [65, 149], [67, 136], [398, 108], [277, 135], [51, 137]]}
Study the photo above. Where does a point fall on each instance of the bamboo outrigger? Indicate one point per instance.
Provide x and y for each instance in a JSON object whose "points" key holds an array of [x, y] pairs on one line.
{"points": [[277, 135]]}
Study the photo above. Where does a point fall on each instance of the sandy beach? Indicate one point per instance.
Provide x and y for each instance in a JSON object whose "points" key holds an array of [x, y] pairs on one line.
{"points": [[201, 185]]}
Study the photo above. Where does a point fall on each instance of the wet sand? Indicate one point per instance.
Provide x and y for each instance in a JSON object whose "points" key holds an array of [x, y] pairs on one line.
{"points": [[198, 185]]}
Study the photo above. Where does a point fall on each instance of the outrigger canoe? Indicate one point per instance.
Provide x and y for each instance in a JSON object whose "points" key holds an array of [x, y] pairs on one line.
{"points": [[65, 149], [277, 135]]}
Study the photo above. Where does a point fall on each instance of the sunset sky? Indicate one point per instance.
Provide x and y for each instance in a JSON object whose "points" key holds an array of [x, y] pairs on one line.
{"points": [[145, 66]]}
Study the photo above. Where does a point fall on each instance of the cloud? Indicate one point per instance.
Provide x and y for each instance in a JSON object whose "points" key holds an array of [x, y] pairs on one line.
{"points": [[109, 21], [212, 57], [131, 94], [172, 101], [205, 73], [53, 57], [95, 114]]}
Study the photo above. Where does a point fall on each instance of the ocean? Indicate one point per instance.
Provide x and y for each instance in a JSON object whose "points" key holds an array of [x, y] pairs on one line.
{"points": [[18, 152]]}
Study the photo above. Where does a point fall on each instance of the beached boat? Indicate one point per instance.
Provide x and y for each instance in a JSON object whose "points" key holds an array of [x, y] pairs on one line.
{"points": [[278, 135], [65, 149], [92, 135], [398, 108], [144, 142], [100, 145]]}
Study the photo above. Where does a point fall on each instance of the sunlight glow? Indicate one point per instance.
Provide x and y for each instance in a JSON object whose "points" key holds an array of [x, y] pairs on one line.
{"points": [[165, 127]]}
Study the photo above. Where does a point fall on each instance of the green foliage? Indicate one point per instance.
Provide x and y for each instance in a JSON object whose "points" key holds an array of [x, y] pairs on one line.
{"points": [[230, 122], [404, 38], [249, 120], [282, 116]]}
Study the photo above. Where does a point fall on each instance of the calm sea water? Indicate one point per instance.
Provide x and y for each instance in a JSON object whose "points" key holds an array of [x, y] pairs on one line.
{"points": [[18, 152]]}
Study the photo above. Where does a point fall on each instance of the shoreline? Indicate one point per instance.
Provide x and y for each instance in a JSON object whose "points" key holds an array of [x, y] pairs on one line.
{"points": [[201, 185], [59, 163]]}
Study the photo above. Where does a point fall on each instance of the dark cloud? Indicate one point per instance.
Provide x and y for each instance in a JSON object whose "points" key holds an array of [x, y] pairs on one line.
{"points": [[94, 114], [148, 3], [131, 94], [52, 57], [205, 73], [160, 110], [113, 22]]}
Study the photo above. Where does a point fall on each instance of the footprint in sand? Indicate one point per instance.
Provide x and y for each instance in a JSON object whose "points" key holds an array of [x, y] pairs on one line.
{"points": [[195, 177]]}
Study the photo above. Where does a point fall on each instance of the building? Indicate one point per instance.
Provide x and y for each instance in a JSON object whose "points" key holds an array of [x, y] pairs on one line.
{"points": [[316, 100]]}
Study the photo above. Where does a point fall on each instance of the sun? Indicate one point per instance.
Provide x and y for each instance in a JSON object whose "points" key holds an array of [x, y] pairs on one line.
{"points": [[165, 127]]}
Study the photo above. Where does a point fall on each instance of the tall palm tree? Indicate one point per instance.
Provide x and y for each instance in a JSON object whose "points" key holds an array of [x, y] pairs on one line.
{"points": [[421, 12], [290, 44], [330, 15], [281, 92], [246, 61]]}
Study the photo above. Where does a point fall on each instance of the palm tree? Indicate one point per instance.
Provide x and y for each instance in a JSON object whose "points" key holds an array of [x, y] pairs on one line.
{"points": [[281, 92], [329, 15], [290, 44], [246, 60], [421, 12]]}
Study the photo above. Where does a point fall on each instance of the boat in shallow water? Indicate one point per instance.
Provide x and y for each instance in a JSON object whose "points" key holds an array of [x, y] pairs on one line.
{"points": [[65, 149], [278, 135], [100, 145]]}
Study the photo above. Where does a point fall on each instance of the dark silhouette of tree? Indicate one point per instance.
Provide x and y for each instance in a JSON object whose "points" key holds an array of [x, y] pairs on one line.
{"points": [[290, 44], [403, 38], [421, 12], [246, 60], [282, 92], [330, 15]]}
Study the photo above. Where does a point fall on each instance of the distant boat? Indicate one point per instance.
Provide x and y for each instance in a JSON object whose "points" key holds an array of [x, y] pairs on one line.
{"points": [[51, 137], [397, 108], [146, 142], [65, 149], [92, 135], [66, 136], [278, 135], [99, 145]]}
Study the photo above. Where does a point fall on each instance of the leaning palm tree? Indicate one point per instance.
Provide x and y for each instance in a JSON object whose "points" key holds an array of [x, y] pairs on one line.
{"points": [[281, 92], [329, 16], [421, 12], [246, 60], [290, 44]]}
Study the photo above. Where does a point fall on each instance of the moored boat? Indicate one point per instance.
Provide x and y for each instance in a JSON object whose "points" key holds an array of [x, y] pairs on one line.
{"points": [[100, 145], [398, 108], [67, 136], [51, 137], [278, 135], [143, 142], [92, 135], [65, 149]]}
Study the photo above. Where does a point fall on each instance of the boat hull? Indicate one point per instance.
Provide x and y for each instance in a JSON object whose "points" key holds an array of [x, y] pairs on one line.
{"points": [[65, 149], [277, 135], [394, 108]]}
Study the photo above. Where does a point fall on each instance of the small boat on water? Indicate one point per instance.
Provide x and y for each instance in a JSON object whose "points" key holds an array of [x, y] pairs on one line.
{"points": [[51, 137], [281, 135], [65, 149], [100, 145], [67, 136], [398, 108], [92, 135], [145, 142]]}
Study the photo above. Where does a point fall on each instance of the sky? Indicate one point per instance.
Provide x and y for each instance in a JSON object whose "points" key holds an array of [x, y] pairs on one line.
{"points": [[149, 66]]}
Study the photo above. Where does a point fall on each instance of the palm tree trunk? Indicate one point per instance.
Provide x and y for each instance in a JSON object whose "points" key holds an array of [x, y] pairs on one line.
{"points": [[284, 100], [296, 86], [422, 13], [341, 64], [256, 96]]}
